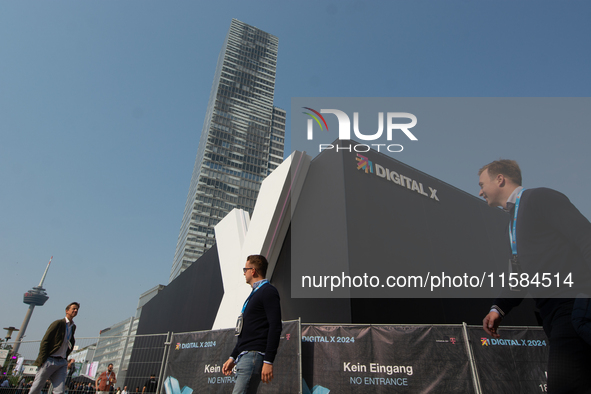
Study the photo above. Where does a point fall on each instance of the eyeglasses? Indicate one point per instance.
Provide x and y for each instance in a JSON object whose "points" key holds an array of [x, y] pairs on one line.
{"points": [[247, 268]]}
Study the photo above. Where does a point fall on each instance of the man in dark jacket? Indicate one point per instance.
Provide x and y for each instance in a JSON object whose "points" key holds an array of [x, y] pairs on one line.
{"points": [[549, 239], [258, 330], [55, 347], [151, 385]]}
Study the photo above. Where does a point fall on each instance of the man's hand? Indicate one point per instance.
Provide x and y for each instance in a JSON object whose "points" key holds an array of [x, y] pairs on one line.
{"points": [[228, 367], [267, 373], [490, 324]]}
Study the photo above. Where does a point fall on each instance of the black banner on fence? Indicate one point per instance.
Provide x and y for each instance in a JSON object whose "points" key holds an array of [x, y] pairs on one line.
{"points": [[195, 362], [514, 363], [378, 359]]}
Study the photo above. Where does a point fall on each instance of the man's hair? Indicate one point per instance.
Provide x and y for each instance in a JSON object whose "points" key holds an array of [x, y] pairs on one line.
{"points": [[72, 303], [109, 365], [260, 264], [509, 168]]}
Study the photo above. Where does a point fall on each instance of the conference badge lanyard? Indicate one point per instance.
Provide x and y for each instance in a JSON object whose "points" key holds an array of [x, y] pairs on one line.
{"points": [[240, 320], [514, 266], [69, 333]]}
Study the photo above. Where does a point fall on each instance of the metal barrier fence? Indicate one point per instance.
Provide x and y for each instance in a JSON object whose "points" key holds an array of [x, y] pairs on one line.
{"points": [[135, 359], [458, 358]]}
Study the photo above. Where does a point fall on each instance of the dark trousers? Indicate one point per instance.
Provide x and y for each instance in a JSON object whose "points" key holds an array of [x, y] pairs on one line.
{"points": [[569, 363]]}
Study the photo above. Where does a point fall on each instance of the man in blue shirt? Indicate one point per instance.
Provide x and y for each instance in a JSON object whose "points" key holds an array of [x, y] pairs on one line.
{"points": [[258, 330]]}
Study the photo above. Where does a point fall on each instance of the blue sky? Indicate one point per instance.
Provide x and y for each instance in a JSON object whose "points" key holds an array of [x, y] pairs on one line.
{"points": [[102, 104]]}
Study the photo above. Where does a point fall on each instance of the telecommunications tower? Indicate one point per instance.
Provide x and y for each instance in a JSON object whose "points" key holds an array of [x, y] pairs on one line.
{"points": [[37, 296]]}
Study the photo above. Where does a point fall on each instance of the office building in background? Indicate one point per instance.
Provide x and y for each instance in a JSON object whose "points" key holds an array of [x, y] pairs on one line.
{"points": [[242, 140]]}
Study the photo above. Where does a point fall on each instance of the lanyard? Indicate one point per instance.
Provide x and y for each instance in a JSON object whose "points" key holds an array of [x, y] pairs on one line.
{"points": [[252, 292], [512, 231], [68, 331]]}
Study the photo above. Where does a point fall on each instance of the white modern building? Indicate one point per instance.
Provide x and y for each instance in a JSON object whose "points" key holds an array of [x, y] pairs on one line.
{"points": [[114, 347], [116, 342], [242, 140], [83, 357]]}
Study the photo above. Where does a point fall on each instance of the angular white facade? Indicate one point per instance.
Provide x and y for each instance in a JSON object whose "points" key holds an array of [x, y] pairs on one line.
{"points": [[239, 236]]}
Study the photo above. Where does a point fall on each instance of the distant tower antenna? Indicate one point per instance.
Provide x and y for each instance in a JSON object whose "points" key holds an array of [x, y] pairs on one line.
{"points": [[36, 296]]}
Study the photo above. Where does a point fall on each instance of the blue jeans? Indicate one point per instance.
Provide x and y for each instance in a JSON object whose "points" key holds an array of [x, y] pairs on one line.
{"points": [[54, 369], [248, 373]]}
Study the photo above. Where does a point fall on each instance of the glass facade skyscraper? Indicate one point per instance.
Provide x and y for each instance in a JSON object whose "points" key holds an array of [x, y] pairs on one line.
{"points": [[242, 140]]}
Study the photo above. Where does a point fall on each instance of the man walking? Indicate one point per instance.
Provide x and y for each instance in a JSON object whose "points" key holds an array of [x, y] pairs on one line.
{"points": [[547, 235], [106, 380], [258, 330], [54, 349]]}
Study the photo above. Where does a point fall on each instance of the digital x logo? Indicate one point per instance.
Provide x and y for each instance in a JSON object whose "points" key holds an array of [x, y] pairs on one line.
{"points": [[484, 341], [178, 346], [345, 129], [364, 164]]}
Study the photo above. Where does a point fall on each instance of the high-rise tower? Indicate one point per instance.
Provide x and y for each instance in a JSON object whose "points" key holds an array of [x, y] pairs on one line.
{"points": [[242, 139]]}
